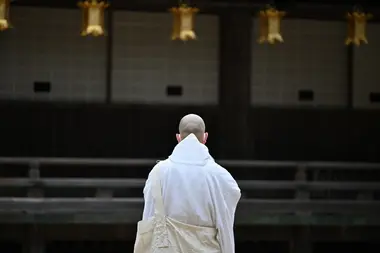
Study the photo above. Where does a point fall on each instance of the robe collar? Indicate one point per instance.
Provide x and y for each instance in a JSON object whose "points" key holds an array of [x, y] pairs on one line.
{"points": [[190, 151]]}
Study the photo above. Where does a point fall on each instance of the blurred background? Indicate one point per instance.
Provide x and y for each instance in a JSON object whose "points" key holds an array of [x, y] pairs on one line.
{"points": [[311, 98]]}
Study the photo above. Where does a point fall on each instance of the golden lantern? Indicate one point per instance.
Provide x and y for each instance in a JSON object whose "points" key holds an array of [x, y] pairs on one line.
{"points": [[176, 23], [93, 17], [4, 14], [357, 25], [183, 23], [269, 22]]}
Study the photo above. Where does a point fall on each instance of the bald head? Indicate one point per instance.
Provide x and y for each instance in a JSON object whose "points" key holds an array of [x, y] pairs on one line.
{"points": [[192, 124]]}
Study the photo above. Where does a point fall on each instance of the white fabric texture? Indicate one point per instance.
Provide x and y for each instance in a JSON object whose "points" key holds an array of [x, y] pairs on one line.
{"points": [[197, 193]]}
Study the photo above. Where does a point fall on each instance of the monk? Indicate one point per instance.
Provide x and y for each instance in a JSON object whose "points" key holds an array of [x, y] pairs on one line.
{"points": [[190, 200]]}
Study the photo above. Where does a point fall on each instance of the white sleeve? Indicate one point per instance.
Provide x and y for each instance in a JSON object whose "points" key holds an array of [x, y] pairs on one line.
{"points": [[148, 198], [227, 197]]}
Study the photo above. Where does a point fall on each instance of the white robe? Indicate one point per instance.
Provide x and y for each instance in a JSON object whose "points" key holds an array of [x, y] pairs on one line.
{"points": [[196, 191]]}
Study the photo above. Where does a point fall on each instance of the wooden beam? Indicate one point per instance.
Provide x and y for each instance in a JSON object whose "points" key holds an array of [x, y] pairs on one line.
{"points": [[246, 219], [314, 206], [127, 232], [43, 161], [245, 207], [342, 166], [73, 182], [237, 164], [242, 219], [139, 183]]}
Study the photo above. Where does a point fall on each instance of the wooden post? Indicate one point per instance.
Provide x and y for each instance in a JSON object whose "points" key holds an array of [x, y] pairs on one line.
{"points": [[301, 239], [301, 193], [33, 241], [235, 84], [34, 174]]}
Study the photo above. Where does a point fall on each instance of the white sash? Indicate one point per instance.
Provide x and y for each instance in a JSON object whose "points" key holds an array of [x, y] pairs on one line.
{"points": [[164, 234]]}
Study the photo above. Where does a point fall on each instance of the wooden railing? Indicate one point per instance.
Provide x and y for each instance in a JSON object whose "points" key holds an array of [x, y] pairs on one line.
{"points": [[84, 199]]}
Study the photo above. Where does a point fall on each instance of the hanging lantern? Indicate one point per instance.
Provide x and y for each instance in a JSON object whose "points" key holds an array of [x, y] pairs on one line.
{"points": [[357, 25], [183, 23], [93, 17], [176, 23], [4, 14], [269, 22]]}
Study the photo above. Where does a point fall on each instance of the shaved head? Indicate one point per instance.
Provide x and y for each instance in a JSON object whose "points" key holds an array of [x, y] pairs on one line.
{"points": [[192, 124]]}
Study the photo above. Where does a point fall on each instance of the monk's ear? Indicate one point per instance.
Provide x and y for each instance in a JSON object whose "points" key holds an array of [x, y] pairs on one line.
{"points": [[178, 137], [205, 136]]}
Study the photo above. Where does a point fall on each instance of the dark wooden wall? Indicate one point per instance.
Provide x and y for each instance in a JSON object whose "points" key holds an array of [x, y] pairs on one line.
{"points": [[88, 130], [237, 131]]}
